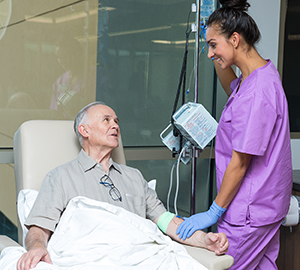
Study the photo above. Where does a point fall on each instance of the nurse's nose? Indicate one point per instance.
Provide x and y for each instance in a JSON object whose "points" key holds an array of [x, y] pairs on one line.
{"points": [[210, 53]]}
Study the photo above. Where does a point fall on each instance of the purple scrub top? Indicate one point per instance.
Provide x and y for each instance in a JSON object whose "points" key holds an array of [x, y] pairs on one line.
{"points": [[255, 121]]}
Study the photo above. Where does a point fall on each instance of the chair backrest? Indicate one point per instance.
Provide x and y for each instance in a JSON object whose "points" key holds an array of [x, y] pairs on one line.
{"points": [[42, 145]]}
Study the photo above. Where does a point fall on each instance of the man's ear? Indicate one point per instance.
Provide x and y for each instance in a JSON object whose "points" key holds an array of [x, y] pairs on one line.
{"points": [[235, 39], [83, 130]]}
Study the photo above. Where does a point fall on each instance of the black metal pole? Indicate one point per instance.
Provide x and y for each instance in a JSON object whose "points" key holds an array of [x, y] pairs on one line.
{"points": [[194, 158]]}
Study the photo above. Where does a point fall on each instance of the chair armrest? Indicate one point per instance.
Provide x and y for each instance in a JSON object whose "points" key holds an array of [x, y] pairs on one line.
{"points": [[5, 241], [209, 259]]}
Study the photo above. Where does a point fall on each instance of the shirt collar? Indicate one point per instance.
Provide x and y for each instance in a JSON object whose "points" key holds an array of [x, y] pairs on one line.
{"points": [[244, 86], [88, 163]]}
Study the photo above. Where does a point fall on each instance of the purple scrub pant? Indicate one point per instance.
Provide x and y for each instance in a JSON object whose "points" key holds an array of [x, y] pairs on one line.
{"points": [[252, 247]]}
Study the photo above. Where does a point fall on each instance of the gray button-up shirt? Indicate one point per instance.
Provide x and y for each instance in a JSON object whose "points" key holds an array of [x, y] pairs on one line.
{"points": [[81, 177]]}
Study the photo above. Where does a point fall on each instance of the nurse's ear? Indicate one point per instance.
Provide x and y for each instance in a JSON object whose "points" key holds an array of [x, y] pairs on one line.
{"points": [[235, 39]]}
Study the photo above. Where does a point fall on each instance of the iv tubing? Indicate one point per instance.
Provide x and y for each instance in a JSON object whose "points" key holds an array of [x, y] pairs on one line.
{"points": [[170, 187], [177, 182]]}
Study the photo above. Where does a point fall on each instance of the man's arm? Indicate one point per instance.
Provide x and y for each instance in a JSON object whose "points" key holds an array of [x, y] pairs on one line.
{"points": [[36, 244], [216, 242]]}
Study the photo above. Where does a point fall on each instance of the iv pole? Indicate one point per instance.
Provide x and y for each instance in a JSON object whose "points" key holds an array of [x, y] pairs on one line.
{"points": [[194, 156]]}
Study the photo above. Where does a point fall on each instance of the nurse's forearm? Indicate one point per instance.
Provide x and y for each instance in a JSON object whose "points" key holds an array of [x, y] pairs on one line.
{"points": [[226, 76], [232, 179]]}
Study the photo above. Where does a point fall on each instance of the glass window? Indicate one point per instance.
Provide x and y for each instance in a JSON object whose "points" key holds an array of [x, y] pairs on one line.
{"points": [[290, 63], [141, 46], [59, 55]]}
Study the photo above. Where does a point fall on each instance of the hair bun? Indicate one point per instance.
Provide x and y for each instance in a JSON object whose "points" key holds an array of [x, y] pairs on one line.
{"points": [[241, 5]]}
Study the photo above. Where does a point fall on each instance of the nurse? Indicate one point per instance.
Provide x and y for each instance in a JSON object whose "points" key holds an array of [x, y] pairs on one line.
{"points": [[253, 152]]}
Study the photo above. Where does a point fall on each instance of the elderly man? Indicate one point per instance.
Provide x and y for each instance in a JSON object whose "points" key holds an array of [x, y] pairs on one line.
{"points": [[96, 176]]}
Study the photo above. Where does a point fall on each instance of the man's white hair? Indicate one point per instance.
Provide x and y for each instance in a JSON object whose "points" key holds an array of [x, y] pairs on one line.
{"points": [[81, 118]]}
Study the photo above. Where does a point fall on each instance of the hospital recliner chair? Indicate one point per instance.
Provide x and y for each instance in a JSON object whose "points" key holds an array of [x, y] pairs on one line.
{"points": [[41, 145]]}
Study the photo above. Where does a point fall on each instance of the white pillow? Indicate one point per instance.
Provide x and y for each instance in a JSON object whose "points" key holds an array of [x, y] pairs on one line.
{"points": [[152, 184], [26, 199]]}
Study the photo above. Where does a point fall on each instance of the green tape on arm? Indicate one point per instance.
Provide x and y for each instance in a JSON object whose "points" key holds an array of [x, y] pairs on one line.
{"points": [[164, 221]]}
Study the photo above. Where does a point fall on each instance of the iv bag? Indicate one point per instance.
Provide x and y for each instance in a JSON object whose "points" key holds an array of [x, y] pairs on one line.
{"points": [[207, 8]]}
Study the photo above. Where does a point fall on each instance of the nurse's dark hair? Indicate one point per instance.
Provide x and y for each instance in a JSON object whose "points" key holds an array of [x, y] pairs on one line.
{"points": [[233, 17], [81, 118]]}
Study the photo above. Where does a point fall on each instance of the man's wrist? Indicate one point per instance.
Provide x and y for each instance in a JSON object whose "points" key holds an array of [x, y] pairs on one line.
{"points": [[198, 239]]}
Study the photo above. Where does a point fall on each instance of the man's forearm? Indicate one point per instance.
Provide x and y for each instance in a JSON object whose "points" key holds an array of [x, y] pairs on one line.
{"points": [[197, 240], [216, 242], [36, 244], [37, 238]]}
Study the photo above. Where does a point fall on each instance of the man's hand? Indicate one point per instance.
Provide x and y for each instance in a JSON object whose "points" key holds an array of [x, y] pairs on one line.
{"points": [[31, 258], [36, 244], [216, 242]]}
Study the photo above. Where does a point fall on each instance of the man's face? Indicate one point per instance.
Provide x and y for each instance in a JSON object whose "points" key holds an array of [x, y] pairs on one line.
{"points": [[103, 127]]}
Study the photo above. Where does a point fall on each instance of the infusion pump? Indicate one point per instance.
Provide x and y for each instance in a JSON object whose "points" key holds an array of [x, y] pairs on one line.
{"points": [[196, 126]]}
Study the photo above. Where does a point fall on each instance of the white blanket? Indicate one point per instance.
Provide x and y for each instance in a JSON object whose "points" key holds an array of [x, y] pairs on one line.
{"points": [[96, 235]]}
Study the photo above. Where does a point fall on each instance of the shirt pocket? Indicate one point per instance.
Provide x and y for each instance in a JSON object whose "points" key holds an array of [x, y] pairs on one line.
{"points": [[136, 204], [226, 115], [224, 131]]}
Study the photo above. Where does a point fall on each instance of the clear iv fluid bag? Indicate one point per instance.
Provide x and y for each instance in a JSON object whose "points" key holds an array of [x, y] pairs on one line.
{"points": [[207, 8]]}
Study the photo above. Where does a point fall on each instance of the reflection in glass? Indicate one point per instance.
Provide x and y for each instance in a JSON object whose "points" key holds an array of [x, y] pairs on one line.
{"points": [[69, 89], [59, 55], [48, 62]]}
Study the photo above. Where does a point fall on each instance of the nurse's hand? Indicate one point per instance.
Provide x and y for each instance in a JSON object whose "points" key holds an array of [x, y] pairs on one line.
{"points": [[200, 221]]}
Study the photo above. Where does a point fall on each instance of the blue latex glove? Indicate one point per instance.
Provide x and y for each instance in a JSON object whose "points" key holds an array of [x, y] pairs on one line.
{"points": [[200, 221]]}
